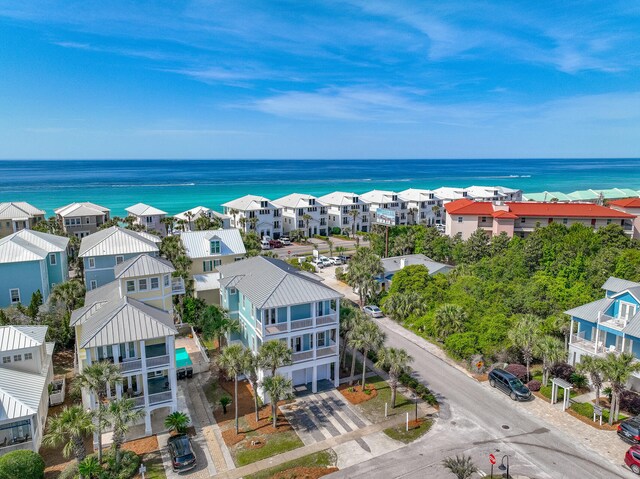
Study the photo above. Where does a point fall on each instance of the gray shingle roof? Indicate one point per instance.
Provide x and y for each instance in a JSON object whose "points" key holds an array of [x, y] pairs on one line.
{"points": [[616, 284], [20, 337], [589, 311], [29, 245], [393, 264], [272, 283], [197, 243], [116, 240], [143, 265]]}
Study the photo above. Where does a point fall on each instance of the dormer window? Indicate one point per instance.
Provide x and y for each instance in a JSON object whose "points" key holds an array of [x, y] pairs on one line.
{"points": [[312, 202], [264, 204], [214, 246], [394, 197], [355, 199]]}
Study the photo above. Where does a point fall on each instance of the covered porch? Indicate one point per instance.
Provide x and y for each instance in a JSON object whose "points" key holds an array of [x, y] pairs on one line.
{"points": [[16, 435]]}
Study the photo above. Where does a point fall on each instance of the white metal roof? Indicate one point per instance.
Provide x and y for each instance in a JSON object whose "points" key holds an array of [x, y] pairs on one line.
{"points": [[248, 202], [82, 209], [21, 337], [29, 245], [339, 198], [413, 194], [198, 243], [447, 193], [394, 263], [116, 240], [140, 209], [296, 200], [18, 210], [378, 196], [20, 393], [206, 282], [143, 265]]}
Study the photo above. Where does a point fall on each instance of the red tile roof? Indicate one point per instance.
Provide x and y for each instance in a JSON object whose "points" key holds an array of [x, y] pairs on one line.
{"points": [[469, 207], [626, 203]]}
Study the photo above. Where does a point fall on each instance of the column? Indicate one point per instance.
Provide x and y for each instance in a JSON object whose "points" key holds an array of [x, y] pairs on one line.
{"points": [[145, 388], [116, 361], [147, 421], [571, 331], [314, 380], [336, 373], [314, 313], [288, 319], [173, 380]]}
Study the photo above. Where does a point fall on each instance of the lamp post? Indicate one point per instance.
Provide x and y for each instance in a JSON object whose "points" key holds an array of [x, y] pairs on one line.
{"points": [[415, 397], [502, 466]]}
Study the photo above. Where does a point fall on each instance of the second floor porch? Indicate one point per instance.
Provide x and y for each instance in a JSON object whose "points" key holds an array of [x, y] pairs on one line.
{"points": [[135, 355]]}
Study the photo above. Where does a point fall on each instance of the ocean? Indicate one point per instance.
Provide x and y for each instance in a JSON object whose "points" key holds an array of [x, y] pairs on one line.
{"points": [[178, 185]]}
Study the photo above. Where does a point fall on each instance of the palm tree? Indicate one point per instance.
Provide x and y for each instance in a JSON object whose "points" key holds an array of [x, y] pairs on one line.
{"points": [[330, 245], [399, 306], [551, 350], [354, 214], [594, 367], [274, 354], [189, 216], [462, 467], [617, 370], [366, 337], [278, 388], [234, 212], [70, 293], [412, 212], [243, 222], [524, 335], [348, 323], [122, 413], [449, 319], [231, 360], [89, 468], [363, 269], [250, 366], [177, 421], [253, 222], [307, 218], [397, 362], [216, 323], [168, 222], [69, 428], [182, 225], [96, 379], [340, 250]]}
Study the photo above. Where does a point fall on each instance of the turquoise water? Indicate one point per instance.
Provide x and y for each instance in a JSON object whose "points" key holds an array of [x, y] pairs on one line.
{"points": [[182, 358], [175, 186]]}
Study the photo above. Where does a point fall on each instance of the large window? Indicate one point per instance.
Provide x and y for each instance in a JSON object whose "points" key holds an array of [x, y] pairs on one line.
{"points": [[142, 284], [15, 295], [131, 286], [215, 246], [207, 266], [155, 283], [92, 262]]}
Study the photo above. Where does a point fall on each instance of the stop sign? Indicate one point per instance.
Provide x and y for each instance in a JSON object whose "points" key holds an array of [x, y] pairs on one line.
{"points": [[492, 459]]}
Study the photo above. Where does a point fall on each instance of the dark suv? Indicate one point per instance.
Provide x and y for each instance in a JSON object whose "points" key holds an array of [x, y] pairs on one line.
{"points": [[629, 430], [509, 384], [182, 456]]}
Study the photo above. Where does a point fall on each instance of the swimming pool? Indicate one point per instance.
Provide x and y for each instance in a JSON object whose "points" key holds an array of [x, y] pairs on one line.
{"points": [[182, 358]]}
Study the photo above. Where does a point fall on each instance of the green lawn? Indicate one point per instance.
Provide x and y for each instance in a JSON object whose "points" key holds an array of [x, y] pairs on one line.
{"points": [[319, 459], [399, 433], [546, 392], [373, 409], [275, 444], [586, 409], [153, 463]]}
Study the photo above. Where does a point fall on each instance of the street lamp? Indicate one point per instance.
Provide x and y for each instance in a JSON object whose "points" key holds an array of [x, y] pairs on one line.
{"points": [[502, 466], [415, 397]]}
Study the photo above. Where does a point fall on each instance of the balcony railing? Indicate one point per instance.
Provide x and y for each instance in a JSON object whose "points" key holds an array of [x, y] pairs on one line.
{"points": [[330, 319], [611, 322], [156, 361], [302, 356], [138, 401], [276, 328], [301, 324], [326, 351], [132, 365], [177, 286], [157, 398], [17, 446]]}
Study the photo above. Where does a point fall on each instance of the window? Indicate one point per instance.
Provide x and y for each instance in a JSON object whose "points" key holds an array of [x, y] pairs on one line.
{"points": [[92, 262], [483, 219], [155, 283], [6, 359], [264, 204], [119, 259], [608, 221], [149, 220], [15, 295], [627, 310], [321, 340], [217, 262], [166, 280], [142, 284], [207, 266], [52, 259], [523, 220], [28, 356], [565, 221], [459, 219], [215, 246], [17, 357], [131, 286], [233, 291], [93, 284]]}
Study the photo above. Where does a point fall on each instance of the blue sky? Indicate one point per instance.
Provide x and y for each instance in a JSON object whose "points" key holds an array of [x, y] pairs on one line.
{"points": [[300, 79]]}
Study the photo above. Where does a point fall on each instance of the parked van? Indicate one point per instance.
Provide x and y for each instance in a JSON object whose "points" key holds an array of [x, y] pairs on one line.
{"points": [[509, 384], [265, 243]]}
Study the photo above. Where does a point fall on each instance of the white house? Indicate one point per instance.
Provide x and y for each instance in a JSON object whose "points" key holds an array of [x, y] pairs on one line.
{"points": [[388, 200], [148, 217], [190, 216], [493, 193], [255, 213], [346, 211], [295, 207], [82, 219], [424, 207], [26, 370]]}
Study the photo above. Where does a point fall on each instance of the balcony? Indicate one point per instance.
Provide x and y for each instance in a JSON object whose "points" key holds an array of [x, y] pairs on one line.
{"points": [[329, 319], [298, 324], [590, 347], [16, 446], [611, 322], [158, 361], [301, 324], [326, 351], [302, 356], [131, 365], [158, 398], [177, 286], [276, 328]]}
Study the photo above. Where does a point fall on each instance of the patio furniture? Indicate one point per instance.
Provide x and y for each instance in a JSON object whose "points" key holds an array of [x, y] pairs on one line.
{"points": [[182, 374], [189, 372]]}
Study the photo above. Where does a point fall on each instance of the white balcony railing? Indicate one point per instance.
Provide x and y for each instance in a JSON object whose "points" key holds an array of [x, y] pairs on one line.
{"points": [[156, 361], [131, 365], [329, 319], [17, 446], [302, 356], [138, 401], [157, 398], [611, 322], [326, 351], [177, 286], [276, 328], [301, 324]]}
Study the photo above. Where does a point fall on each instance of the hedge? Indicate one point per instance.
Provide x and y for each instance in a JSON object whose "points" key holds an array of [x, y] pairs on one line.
{"points": [[22, 464], [129, 465]]}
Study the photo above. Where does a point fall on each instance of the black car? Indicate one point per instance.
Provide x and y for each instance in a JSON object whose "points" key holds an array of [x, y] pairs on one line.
{"points": [[509, 384], [629, 430], [182, 455]]}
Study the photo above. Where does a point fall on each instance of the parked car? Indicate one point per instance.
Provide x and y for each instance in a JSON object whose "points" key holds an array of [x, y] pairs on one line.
{"points": [[325, 261], [265, 244], [373, 311], [632, 459], [344, 258], [276, 244], [509, 384], [335, 260], [629, 430], [441, 228], [182, 456], [285, 241], [318, 263]]}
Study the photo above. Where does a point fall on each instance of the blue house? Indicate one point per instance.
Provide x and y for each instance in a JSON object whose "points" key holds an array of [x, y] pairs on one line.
{"points": [[102, 251], [31, 261], [608, 325]]}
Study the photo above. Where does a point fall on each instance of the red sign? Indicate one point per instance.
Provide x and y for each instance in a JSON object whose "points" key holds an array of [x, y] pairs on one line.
{"points": [[492, 459]]}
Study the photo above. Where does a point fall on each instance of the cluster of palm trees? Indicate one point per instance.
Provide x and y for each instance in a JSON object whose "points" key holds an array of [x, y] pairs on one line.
{"points": [[235, 360], [364, 266], [70, 427]]}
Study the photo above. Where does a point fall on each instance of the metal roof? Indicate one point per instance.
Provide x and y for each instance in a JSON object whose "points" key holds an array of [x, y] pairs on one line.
{"points": [[143, 265], [616, 284], [296, 200], [633, 326], [21, 337], [198, 243], [20, 393], [413, 194], [378, 196], [206, 282], [94, 300], [248, 202], [589, 312], [140, 209], [29, 245], [81, 209], [340, 198], [116, 240], [394, 263], [547, 196], [273, 283], [18, 210]]}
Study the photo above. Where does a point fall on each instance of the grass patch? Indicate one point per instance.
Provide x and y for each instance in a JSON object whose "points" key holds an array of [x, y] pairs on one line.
{"points": [[153, 463], [373, 409], [319, 459], [399, 433], [546, 392], [586, 409], [274, 444]]}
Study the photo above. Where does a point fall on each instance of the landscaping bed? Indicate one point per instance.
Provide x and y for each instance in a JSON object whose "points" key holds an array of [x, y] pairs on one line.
{"points": [[308, 467], [584, 412], [355, 394], [373, 409], [416, 429]]}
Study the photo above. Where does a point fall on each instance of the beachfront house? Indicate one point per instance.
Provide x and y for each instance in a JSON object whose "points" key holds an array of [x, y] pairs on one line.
{"points": [[185, 221], [31, 261], [26, 370], [130, 323], [630, 206], [387, 200], [82, 219], [493, 193], [346, 211], [101, 252], [581, 196], [394, 264], [305, 213], [608, 325], [274, 301], [18, 215], [148, 217], [257, 214], [424, 208], [465, 216], [208, 250]]}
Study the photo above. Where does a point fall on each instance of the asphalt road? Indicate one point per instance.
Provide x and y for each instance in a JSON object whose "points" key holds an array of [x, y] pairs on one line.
{"points": [[476, 420]]}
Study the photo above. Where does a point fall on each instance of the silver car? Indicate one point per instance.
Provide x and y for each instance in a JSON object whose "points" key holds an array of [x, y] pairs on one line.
{"points": [[373, 311]]}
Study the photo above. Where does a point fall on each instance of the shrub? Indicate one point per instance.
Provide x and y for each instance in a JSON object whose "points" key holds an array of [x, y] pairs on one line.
{"points": [[462, 345], [69, 472], [23, 464], [562, 371], [518, 370], [534, 385], [129, 465], [340, 276], [420, 389], [578, 380], [336, 230], [630, 402]]}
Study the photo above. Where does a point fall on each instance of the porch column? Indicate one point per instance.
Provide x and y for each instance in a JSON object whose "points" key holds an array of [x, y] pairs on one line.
{"points": [[116, 361], [596, 340], [173, 380], [314, 313], [624, 338], [288, 319], [145, 388], [32, 431], [571, 331], [336, 374], [147, 419], [314, 380]]}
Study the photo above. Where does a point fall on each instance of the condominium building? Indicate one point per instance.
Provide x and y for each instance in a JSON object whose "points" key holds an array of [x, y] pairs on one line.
{"points": [[148, 217], [424, 207], [18, 215], [303, 212], [493, 193], [387, 200], [272, 300], [255, 213], [630, 206], [82, 219], [346, 211]]}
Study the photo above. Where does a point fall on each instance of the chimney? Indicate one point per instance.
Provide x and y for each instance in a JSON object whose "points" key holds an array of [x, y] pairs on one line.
{"points": [[403, 263]]}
